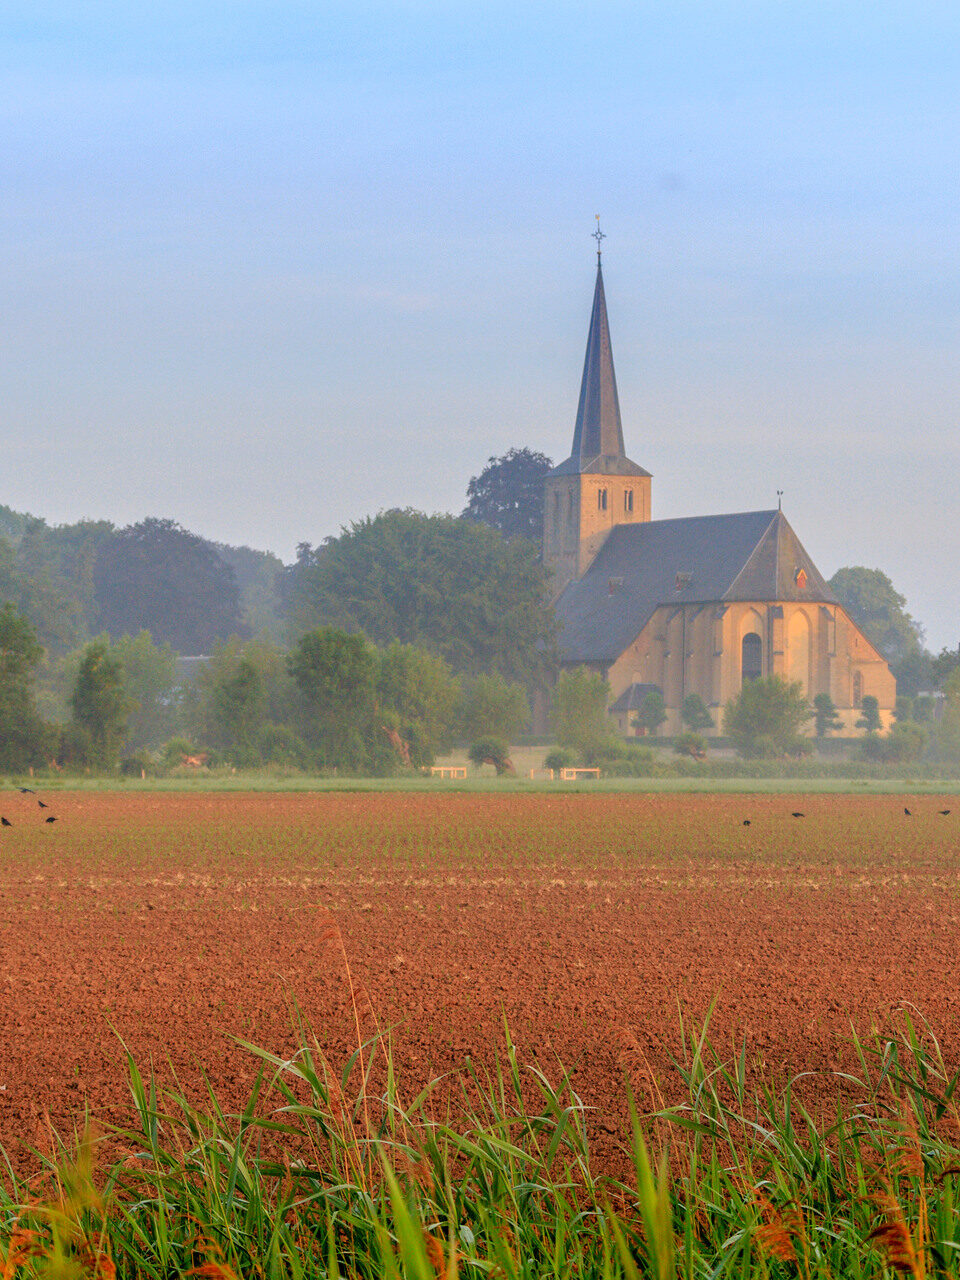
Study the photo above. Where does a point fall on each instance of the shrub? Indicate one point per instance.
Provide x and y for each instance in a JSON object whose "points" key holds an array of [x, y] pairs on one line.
{"points": [[279, 744], [137, 765], [624, 760], [491, 751], [765, 718], [690, 744], [904, 743], [559, 758]]}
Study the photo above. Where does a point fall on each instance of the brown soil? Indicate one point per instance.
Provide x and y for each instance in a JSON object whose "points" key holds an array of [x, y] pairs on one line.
{"points": [[589, 922]]}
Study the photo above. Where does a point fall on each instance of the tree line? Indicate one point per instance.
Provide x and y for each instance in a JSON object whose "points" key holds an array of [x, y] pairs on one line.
{"points": [[467, 592], [332, 702]]}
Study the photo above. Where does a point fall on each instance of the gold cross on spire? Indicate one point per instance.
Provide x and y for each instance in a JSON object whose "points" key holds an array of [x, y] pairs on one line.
{"points": [[598, 235]]}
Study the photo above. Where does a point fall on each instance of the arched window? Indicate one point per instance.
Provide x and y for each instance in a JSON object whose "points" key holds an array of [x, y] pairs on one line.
{"points": [[601, 499], [751, 657], [628, 501], [858, 689]]}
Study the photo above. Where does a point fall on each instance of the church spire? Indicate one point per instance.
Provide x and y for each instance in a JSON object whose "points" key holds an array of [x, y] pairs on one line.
{"points": [[598, 435]]}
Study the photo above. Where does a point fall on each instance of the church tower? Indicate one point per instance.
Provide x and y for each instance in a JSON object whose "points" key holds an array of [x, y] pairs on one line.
{"points": [[598, 486]]}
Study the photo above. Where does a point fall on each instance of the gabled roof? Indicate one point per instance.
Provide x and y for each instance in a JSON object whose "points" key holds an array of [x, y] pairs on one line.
{"points": [[753, 555], [598, 435]]}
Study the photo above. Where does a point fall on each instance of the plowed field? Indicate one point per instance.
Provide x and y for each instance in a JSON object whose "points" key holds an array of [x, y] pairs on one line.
{"points": [[588, 921]]}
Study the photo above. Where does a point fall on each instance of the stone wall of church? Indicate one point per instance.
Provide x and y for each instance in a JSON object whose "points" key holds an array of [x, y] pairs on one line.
{"points": [[578, 513], [709, 648]]}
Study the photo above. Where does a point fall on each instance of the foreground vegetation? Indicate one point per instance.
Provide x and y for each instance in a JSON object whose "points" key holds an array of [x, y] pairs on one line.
{"points": [[329, 1174]]}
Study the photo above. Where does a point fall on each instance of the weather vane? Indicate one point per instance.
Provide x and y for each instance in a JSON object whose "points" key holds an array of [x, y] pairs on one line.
{"points": [[779, 499], [598, 235]]}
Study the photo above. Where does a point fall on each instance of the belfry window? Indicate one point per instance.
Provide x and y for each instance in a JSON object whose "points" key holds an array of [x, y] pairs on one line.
{"points": [[628, 500], [601, 499], [751, 657]]}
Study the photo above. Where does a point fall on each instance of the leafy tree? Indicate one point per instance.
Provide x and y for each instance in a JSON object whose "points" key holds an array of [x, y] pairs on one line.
{"points": [[766, 716], [652, 713], [825, 718], [695, 714], [417, 697], [559, 758], [492, 750], [155, 575], [690, 744], [238, 705], [491, 706], [904, 743], [948, 728], [99, 706], [870, 714], [149, 682], [942, 667], [507, 495], [24, 738], [336, 674], [580, 710], [877, 608], [450, 586]]}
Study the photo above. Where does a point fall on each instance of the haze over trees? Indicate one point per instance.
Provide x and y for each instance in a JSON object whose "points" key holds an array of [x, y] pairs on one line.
{"points": [[156, 576]]}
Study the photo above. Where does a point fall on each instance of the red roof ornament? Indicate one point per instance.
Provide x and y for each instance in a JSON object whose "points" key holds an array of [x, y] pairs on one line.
{"points": [[800, 579]]}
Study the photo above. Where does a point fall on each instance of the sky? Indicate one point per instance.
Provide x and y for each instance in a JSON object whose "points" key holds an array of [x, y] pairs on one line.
{"points": [[268, 268]]}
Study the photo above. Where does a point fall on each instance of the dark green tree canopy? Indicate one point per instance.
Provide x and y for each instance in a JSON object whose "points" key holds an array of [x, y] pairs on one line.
{"points": [[24, 739], [447, 585], [156, 576], [508, 494], [878, 609], [100, 706]]}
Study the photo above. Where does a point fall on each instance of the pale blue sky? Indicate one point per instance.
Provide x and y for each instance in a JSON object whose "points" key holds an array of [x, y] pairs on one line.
{"points": [[268, 268]]}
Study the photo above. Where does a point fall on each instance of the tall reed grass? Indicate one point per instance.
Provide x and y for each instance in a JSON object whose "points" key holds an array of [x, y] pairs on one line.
{"points": [[325, 1174]]}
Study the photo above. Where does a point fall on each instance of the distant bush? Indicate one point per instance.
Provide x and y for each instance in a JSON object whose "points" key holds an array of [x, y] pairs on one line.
{"points": [[693, 745], [137, 765], [493, 751], [560, 758], [618, 759], [904, 743]]}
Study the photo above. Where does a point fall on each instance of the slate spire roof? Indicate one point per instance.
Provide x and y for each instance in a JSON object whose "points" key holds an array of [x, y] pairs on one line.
{"points": [[598, 436], [702, 560]]}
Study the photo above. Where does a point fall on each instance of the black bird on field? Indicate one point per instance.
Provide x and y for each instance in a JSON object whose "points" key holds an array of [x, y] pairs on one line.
{"points": [[50, 819], [944, 811], [797, 814], [5, 822], [25, 791], [907, 812], [42, 804], [746, 822]]}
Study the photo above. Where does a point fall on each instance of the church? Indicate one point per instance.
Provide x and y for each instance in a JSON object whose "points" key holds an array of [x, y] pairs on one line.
{"points": [[695, 605]]}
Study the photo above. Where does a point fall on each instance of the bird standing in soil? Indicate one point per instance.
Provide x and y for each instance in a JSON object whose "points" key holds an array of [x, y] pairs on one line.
{"points": [[907, 812], [50, 819], [43, 805], [943, 812], [746, 822], [797, 814], [5, 822], [26, 791]]}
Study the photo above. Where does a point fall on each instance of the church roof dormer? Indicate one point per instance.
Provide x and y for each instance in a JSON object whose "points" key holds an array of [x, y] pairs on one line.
{"points": [[598, 435]]}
